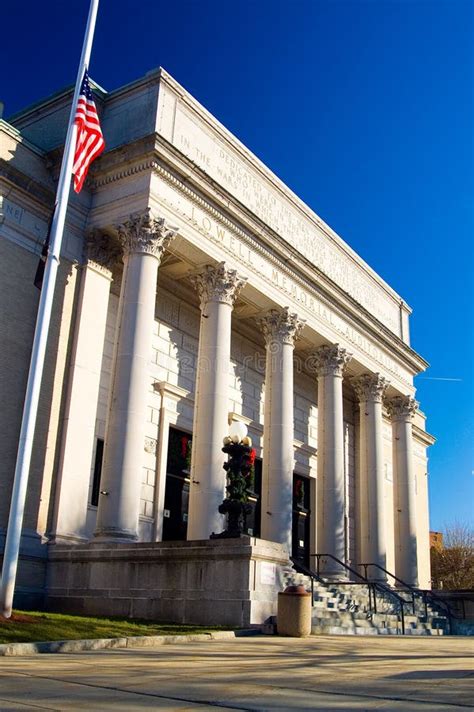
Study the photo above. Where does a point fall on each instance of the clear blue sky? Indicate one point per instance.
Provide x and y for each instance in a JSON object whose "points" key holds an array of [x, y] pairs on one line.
{"points": [[363, 107]]}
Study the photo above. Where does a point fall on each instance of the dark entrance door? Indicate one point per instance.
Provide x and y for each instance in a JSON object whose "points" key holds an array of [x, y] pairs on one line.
{"points": [[175, 513], [301, 518]]}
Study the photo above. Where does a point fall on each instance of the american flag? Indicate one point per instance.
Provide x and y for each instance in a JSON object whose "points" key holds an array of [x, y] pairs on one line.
{"points": [[90, 142]]}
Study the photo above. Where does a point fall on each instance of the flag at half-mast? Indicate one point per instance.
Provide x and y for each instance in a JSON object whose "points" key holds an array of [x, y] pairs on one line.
{"points": [[90, 142]]}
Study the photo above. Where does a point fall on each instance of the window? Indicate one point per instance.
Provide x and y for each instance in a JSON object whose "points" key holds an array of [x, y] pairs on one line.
{"points": [[99, 455]]}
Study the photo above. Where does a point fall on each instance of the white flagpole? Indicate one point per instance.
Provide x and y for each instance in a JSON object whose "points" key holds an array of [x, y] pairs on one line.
{"points": [[30, 410]]}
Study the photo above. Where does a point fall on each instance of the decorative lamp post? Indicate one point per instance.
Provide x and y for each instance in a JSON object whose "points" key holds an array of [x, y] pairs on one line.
{"points": [[239, 473]]}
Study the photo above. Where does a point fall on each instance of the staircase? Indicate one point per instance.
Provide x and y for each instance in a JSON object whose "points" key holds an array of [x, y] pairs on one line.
{"points": [[364, 607], [346, 610]]}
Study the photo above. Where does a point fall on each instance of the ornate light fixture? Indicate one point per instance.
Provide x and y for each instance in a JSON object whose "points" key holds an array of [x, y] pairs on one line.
{"points": [[238, 467]]}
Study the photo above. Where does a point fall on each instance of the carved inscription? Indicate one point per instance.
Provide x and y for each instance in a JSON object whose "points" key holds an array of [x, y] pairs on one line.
{"points": [[12, 213], [252, 188], [230, 243]]}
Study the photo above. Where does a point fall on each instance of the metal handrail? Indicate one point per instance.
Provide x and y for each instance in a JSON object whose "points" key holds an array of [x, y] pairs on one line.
{"points": [[408, 586], [423, 593], [341, 563], [372, 586]]}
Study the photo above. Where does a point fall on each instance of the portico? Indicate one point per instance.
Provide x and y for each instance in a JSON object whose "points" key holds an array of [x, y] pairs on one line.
{"points": [[226, 304]]}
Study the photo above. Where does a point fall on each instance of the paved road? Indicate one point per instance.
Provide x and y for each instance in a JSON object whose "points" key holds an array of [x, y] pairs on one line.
{"points": [[321, 673]]}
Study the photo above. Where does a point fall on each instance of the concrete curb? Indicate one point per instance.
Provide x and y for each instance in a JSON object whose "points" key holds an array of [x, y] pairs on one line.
{"points": [[141, 641]]}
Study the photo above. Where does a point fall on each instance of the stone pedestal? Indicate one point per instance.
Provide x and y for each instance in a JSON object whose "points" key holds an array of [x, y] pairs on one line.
{"points": [[215, 582]]}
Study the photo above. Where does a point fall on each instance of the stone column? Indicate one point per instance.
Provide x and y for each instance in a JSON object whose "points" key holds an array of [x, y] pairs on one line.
{"points": [[330, 362], [370, 389], [78, 423], [144, 240], [218, 288], [402, 410], [281, 329]]}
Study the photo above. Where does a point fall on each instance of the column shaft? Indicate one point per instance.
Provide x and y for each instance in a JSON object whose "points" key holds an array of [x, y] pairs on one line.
{"points": [[370, 389], [402, 410], [144, 240], [330, 362], [281, 330], [218, 288]]}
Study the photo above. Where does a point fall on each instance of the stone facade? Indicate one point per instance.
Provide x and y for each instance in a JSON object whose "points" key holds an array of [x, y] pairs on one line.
{"points": [[196, 289]]}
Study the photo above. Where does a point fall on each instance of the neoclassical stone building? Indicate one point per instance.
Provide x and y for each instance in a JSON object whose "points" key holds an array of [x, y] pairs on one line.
{"points": [[196, 289]]}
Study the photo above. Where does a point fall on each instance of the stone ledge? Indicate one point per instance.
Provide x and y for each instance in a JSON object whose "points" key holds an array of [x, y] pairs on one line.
{"points": [[141, 641]]}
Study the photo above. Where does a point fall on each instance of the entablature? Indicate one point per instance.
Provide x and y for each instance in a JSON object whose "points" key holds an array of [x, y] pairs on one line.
{"points": [[187, 191]]}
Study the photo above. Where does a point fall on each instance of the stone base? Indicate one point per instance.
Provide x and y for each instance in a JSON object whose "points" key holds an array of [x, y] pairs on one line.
{"points": [[31, 574], [221, 582]]}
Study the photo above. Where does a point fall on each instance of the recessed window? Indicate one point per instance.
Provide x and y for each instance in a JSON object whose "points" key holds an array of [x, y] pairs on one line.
{"points": [[99, 456]]}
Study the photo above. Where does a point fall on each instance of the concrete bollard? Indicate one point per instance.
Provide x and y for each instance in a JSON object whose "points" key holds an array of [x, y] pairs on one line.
{"points": [[294, 612]]}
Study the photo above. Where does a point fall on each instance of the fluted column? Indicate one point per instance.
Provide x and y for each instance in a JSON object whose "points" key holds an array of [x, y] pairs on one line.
{"points": [[280, 328], [370, 389], [330, 362], [218, 288], [144, 240], [402, 409], [78, 423]]}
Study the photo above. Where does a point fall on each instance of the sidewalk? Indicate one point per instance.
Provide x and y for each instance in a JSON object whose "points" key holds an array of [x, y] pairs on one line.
{"points": [[264, 673]]}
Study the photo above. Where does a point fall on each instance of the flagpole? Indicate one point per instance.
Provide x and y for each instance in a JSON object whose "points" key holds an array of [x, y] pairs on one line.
{"points": [[30, 410]]}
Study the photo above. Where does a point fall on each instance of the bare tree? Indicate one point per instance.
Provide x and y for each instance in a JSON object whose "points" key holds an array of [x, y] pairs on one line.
{"points": [[452, 565]]}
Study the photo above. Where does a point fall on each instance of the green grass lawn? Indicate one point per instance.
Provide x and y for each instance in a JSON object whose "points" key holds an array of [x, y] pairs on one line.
{"points": [[35, 627]]}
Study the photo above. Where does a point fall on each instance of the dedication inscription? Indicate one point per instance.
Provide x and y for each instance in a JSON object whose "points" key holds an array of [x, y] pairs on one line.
{"points": [[233, 171], [308, 305]]}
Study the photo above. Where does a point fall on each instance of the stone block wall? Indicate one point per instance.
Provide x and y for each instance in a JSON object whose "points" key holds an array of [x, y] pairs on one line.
{"points": [[221, 582]]}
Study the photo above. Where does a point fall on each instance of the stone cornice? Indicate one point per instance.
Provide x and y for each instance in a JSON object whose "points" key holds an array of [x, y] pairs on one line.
{"points": [[27, 184], [168, 389], [15, 133], [422, 436]]}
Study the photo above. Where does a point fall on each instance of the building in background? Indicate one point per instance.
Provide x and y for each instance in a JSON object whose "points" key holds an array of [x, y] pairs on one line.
{"points": [[195, 289], [436, 540]]}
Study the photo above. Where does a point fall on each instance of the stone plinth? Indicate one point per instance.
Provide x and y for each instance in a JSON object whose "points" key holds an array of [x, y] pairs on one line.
{"points": [[221, 582]]}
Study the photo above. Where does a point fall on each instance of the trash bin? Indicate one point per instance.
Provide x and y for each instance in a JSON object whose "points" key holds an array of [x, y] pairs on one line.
{"points": [[294, 612]]}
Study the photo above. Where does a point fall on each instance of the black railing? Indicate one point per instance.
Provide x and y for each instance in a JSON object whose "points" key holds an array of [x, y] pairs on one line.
{"points": [[302, 569], [424, 594], [373, 587]]}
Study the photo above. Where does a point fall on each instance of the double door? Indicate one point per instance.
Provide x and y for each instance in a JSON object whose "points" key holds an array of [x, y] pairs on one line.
{"points": [[178, 466], [301, 519]]}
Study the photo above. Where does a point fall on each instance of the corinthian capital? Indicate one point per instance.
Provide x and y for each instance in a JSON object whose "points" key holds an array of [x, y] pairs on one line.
{"points": [[102, 251], [218, 284], [330, 360], [144, 233], [402, 407], [370, 387], [281, 326]]}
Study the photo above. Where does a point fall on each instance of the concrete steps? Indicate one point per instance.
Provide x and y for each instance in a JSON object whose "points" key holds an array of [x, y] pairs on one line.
{"points": [[344, 609]]}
